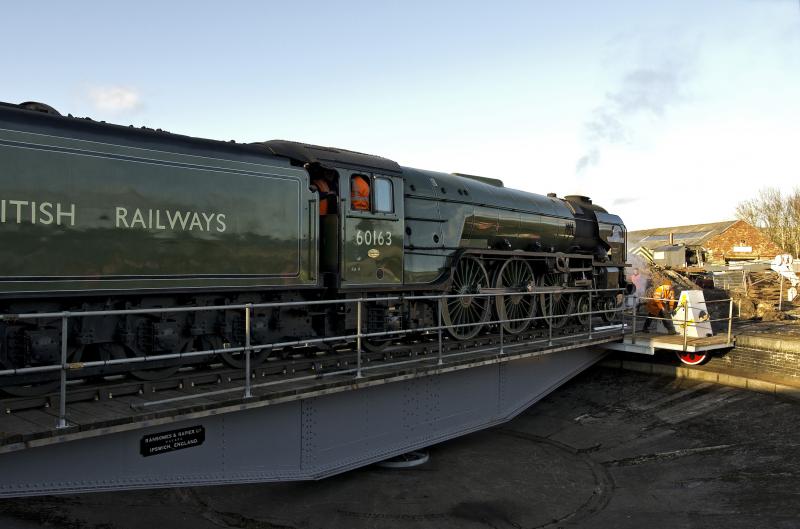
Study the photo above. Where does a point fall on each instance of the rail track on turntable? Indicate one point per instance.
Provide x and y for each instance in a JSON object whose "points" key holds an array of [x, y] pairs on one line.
{"points": [[304, 373]]}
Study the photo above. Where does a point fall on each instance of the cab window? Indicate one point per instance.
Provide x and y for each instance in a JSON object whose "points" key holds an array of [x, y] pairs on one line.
{"points": [[384, 198], [359, 193]]}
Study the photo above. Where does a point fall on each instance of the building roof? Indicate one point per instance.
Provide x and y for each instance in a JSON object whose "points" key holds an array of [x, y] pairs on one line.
{"points": [[690, 235], [670, 248]]}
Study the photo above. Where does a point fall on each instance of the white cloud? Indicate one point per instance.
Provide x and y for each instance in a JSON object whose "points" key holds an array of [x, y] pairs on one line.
{"points": [[114, 98]]}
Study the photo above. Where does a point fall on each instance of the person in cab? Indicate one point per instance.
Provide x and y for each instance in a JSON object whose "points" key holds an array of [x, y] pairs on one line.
{"points": [[359, 193]]}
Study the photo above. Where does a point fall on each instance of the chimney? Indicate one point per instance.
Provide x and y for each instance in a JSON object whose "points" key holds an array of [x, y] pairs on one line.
{"points": [[671, 238]]}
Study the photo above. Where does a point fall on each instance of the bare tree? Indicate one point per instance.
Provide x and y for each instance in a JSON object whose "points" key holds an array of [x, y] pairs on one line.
{"points": [[793, 206], [777, 214]]}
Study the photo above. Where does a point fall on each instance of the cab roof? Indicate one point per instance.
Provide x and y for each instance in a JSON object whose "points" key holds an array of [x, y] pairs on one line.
{"points": [[331, 156]]}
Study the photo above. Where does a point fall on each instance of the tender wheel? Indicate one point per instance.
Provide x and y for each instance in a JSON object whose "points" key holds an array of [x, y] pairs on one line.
{"points": [[159, 371], [238, 359], [691, 359], [32, 390], [562, 303], [49, 383], [465, 316], [515, 274], [376, 345], [46, 383]]}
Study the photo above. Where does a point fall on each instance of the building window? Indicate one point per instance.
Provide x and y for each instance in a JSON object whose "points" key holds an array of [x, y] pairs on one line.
{"points": [[384, 197]]}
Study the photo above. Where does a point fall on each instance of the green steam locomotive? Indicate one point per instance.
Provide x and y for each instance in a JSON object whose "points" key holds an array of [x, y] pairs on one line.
{"points": [[96, 217]]}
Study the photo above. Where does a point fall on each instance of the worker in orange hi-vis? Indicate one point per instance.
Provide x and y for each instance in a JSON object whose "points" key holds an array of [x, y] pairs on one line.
{"points": [[326, 196], [359, 193], [661, 305]]}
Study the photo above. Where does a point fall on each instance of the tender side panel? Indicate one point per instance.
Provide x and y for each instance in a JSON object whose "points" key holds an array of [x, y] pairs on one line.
{"points": [[78, 215]]}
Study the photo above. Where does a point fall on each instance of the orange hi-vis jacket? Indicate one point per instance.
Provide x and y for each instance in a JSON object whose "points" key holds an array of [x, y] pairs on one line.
{"points": [[359, 193], [664, 299], [325, 195]]}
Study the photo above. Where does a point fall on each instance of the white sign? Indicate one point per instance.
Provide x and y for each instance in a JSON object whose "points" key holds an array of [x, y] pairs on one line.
{"points": [[743, 249]]}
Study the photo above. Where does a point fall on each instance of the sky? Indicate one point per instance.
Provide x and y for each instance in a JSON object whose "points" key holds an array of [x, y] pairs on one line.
{"points": [[665, 113]]}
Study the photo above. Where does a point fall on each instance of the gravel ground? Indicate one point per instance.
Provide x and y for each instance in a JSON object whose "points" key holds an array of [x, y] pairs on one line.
{"points": [[609, 450]]}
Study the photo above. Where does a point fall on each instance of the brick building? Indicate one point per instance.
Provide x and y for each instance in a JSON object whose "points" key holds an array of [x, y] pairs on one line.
{"points": [[714, 243]]}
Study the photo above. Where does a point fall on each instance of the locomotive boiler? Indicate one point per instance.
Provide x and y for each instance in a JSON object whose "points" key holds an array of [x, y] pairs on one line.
{"points": [[101, 217]]}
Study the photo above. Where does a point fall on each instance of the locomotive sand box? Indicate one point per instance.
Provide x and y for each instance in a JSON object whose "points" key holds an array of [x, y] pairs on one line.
{"points": [[95, 216]]}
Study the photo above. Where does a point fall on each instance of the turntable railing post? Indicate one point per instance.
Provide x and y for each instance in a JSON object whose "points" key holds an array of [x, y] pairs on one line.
{"points": [[247, 340], [550, 320], [439, 328], [62, 390], [358, 340]]}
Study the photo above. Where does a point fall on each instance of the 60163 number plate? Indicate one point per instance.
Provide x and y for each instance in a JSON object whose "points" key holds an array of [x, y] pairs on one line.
{"points": [[163, 442]]}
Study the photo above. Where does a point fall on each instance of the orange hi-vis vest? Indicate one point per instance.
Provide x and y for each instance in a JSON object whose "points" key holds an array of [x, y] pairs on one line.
{"points": [[663, 298], [359, 193], [324, 195]]}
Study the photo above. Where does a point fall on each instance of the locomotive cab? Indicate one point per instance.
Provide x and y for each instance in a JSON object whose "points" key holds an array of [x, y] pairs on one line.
{"points": [[372, 230], [360, 227]]}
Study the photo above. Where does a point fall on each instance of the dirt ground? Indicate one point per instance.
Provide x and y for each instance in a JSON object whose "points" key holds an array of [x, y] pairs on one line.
{"points": [[609, 450]]}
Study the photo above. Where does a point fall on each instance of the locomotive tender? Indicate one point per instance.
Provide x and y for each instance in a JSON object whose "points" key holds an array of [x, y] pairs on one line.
{"points": [[95, 216]]}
